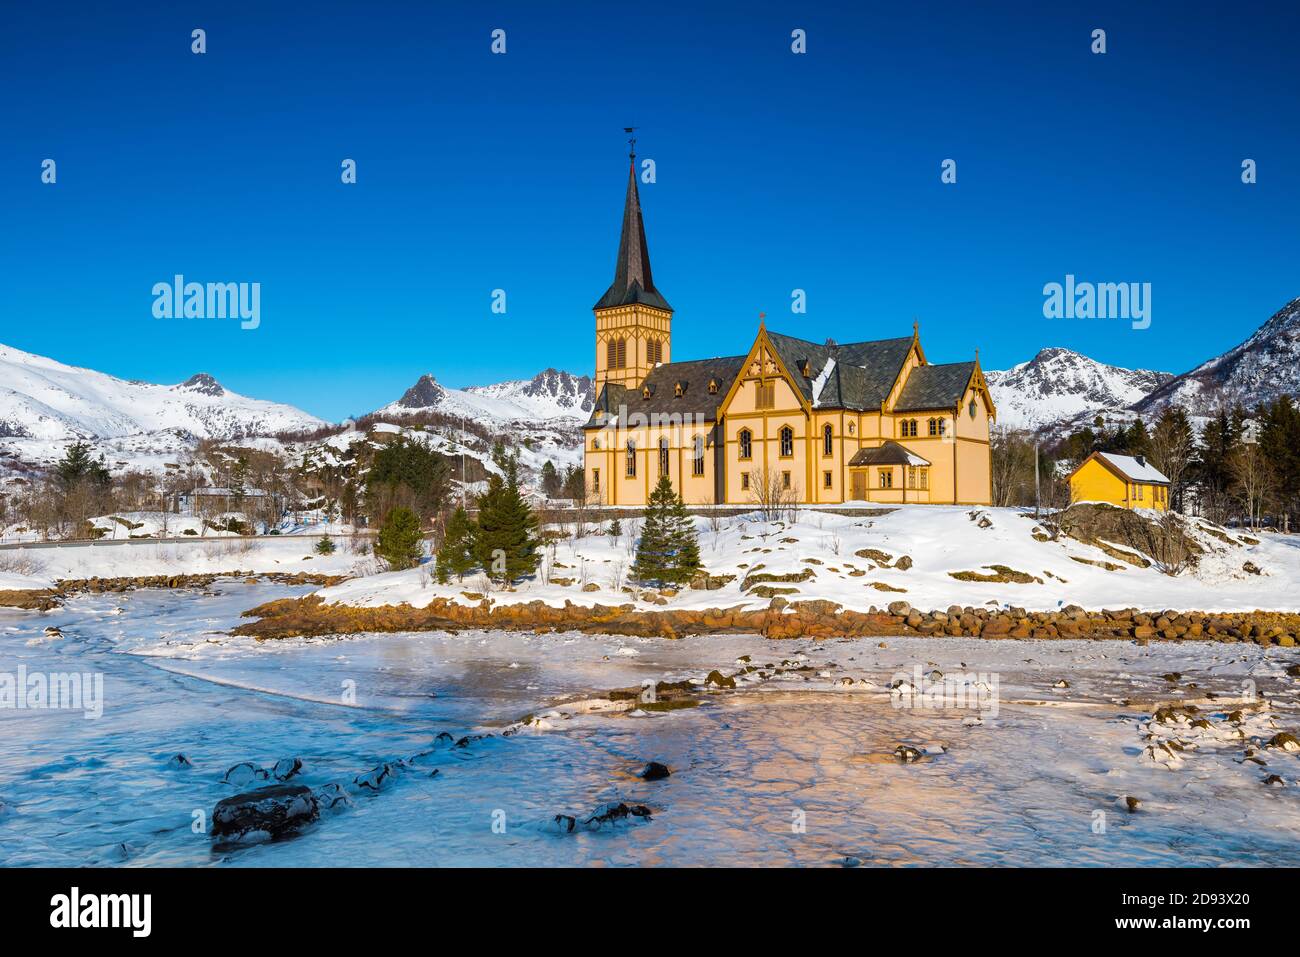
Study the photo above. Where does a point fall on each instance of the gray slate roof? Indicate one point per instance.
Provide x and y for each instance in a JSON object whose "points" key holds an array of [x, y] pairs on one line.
{"points": [[890, 453], [662, 381], [863, 374], [633, 282], [935, 387]]}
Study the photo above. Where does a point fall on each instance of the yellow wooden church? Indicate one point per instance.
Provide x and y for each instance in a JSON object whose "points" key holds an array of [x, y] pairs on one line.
{"points": [[826, 422]]}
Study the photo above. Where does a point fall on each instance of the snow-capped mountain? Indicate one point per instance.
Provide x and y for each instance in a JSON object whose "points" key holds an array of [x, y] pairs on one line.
{"points": [[1264, 367], [1058, 384], [551, 396], [45, 400]]}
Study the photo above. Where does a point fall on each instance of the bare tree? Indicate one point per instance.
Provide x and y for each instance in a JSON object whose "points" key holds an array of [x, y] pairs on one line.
{"points": [[1253, 480], [770, 493]]}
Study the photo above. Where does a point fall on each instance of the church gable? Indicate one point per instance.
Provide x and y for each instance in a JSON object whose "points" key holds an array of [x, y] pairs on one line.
{"points": [[764, 382]]}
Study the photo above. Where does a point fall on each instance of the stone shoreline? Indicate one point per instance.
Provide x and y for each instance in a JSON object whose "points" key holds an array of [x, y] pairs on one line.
{"points": [[311, 616], [44, 599]]}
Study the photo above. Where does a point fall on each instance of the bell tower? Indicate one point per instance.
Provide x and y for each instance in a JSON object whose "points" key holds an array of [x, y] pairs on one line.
{"points": [[633, 321]]}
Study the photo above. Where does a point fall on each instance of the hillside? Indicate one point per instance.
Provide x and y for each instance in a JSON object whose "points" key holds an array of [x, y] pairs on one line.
{"points": [[1057, 385], [1264, 367], [45, 400]]}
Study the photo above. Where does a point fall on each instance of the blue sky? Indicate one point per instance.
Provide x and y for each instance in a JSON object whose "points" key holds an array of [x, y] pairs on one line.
{"points": [[774, 172]]}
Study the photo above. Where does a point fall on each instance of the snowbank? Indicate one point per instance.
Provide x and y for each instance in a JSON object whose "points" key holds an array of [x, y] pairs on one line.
{"points": [[910, 554]]}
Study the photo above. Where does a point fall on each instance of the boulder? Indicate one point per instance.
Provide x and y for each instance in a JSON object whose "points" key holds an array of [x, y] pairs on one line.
{"points": [[268, 812], [654, 771]]}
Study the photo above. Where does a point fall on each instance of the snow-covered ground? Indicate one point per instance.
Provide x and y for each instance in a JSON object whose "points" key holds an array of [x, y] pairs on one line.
{"points": [[35, 567], [821, 552], [795, 769]]}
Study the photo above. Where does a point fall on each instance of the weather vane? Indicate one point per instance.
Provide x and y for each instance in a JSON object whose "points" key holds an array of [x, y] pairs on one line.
{"points": [[631, 140]]}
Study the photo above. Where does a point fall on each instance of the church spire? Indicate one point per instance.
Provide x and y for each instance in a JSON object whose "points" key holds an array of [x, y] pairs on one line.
{"points": [[632, 279]]}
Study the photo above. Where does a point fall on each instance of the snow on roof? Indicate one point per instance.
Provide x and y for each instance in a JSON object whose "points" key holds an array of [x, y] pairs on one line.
{"points": [[1134, 469], [820, 382]]}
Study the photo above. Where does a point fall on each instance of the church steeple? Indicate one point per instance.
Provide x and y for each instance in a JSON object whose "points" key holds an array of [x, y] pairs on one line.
{"points": [[633, 321], [633, 281]]}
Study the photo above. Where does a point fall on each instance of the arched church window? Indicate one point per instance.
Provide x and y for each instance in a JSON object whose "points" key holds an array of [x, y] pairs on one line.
{"points": [[746, 444], [828, 440], [787, 441]]}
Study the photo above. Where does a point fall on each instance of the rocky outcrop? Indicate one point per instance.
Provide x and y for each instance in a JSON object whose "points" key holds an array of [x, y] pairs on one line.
{"points": [[311, 615]]}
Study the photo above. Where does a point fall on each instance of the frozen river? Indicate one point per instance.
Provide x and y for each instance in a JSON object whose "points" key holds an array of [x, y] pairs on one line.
{"points": [[797, 769]]}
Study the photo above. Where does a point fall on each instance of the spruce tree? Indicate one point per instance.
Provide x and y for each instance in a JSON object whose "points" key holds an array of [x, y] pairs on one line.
{"points": [[456, 554], [506, 543], [399, 539], [668, 552], [325, 545]]}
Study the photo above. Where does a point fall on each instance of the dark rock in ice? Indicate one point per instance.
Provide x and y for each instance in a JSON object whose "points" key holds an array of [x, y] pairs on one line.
{"points": [[1132, 803], [332, 795], [654, 771], [443, 739], [244, 773], [272, 811], [286, 768], [377, 778], [615, 813], [1275, 780], [566, 822], [907, 754], [179, 761]]}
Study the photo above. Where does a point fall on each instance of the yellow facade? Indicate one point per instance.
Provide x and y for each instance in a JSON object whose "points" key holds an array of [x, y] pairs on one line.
{"points": [[1100, 480], [765, 429]]}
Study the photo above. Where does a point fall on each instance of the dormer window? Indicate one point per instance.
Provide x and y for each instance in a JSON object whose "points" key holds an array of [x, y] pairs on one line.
{"points": [[713, 387], [805, 368], [679, 389], [645, 392]]}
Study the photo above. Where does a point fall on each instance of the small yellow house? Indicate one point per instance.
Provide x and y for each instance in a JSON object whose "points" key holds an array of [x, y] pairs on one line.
{"points": [[1123, 480], [811, 422]]}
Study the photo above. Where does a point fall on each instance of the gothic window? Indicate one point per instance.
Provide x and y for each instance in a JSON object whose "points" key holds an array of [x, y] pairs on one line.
{"points": [[765, 395], [828, 441], [744, 480], [909, 428], [827, 480], [787, 442], [631, 459], [663, 457], [611, 354], [654, 351], [746, 444], [785, 480], [595, 480], [697, 462], [622, 354]]}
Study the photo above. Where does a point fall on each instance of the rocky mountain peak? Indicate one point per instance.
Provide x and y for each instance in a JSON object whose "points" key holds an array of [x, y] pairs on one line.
{"points": [[424, 394], [203, 383]]}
